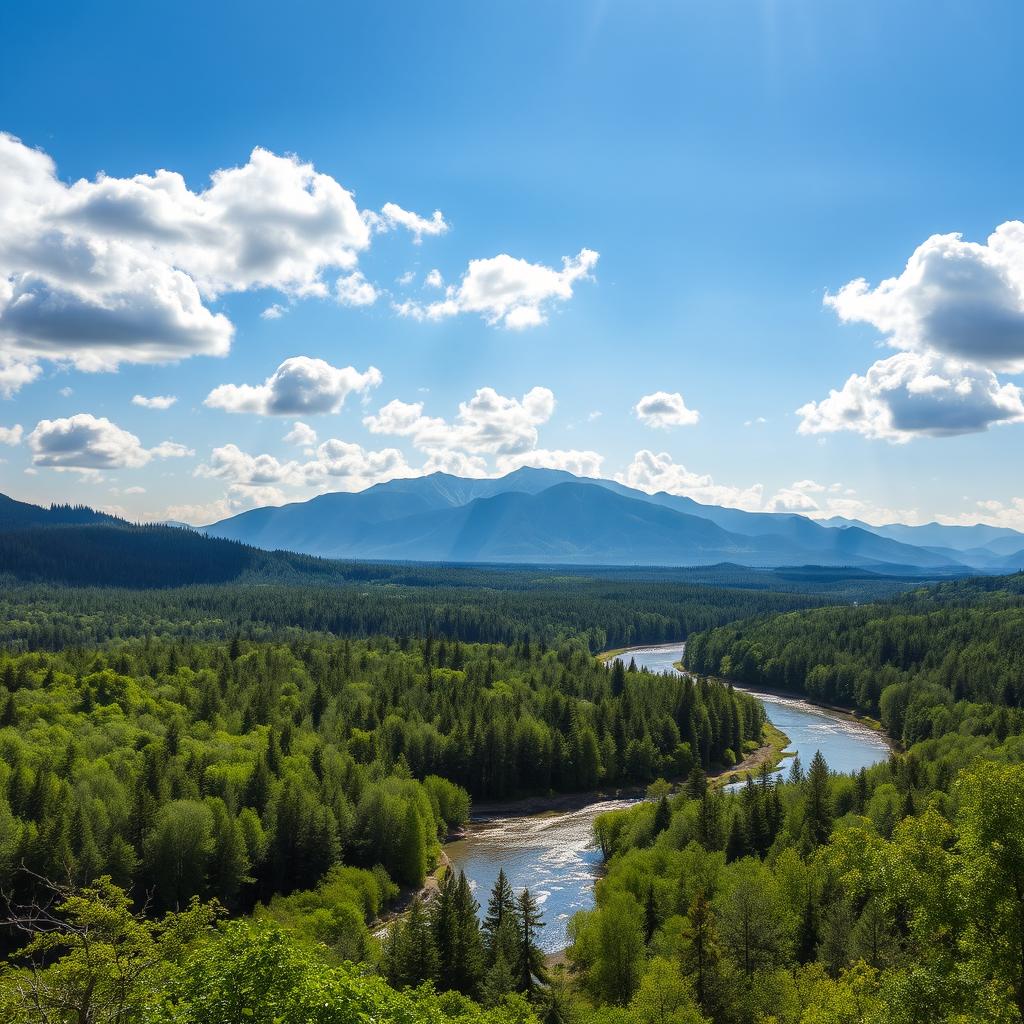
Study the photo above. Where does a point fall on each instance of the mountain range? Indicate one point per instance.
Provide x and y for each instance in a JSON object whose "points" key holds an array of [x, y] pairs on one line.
{"points": [[551, 516]]}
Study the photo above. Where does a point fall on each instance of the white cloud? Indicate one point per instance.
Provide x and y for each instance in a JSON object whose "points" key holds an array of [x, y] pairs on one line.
{"points": [[299, 386], [237, 499], [171, 450], [88, 443], [486, 424], [333, 460], [354, 290], [912, 394], [803, 496], [274, 312], [756, 422], [652, 472], [229, 462], [356, 466], [457, 464], [581, 463], [11, 435], [507, 291], [434, 279], [994, 513], [392, 216], [66, 392], [15, 373], [119, 270], [956, 312], [664, 410], [154, 402], [962, 299], [301, 434]]}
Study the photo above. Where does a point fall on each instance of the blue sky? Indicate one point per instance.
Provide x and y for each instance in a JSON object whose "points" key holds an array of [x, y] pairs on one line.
{"points": [[713, 174]]}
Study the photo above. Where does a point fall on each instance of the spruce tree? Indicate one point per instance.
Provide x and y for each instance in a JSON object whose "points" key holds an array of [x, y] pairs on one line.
{"points": [[467, 957], [662, 816], [650, 915], [531, 957], [501, 906], [818, 808]]}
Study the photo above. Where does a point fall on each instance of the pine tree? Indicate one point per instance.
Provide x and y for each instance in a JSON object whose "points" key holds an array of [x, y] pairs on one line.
{"points": [[736, 845], [807, 934], [459, 946], [531, 957], [818, 810], [501, 906], [662, 816], [419, 954], [618, 677], [650, 915]]}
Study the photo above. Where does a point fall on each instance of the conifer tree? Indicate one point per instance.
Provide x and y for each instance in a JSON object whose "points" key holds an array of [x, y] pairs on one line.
{"points": [[531, 957]]}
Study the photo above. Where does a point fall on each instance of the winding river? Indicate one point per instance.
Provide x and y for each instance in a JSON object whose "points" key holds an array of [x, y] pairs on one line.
{"points": [[554, 854]]}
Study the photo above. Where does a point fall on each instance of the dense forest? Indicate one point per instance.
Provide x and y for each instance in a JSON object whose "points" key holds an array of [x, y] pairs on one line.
{"points": [[922, 661], [209, 803], [396, 601], [243, 771]]}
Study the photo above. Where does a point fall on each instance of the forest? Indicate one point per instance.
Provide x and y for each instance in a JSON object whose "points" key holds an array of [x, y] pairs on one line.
{"points": [[920, 661], [214, 807]]}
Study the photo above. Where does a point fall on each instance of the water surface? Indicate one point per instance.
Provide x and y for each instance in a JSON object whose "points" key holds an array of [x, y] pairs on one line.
{"points": [[848, 745], [555, 856]]}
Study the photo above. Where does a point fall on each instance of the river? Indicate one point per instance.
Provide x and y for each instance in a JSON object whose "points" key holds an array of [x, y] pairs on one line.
{"points": [[554, 854]]}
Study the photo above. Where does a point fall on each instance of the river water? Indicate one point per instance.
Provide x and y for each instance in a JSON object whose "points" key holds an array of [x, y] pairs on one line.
{"points": [[554, 854]]}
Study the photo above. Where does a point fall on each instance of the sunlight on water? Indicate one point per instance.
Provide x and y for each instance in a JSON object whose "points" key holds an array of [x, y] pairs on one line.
{"points": [[554, 855]]}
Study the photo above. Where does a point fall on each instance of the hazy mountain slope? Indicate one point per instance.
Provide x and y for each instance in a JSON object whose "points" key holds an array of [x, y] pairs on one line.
{"points": [[543, 515], [970, 540]]}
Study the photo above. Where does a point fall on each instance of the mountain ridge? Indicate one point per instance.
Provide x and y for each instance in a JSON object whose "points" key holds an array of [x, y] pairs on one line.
{"points": [[441, 517]]}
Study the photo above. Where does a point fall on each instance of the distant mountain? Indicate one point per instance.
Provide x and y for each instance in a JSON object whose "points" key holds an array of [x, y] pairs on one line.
{"points": [[537, 515], [77, 545], [971, 540]]}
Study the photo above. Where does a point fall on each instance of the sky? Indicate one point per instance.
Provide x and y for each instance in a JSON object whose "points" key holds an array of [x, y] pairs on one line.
{"points": [[765, 253]]}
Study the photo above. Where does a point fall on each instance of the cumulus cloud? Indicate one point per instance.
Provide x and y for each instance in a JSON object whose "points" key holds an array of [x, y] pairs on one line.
{"points": [[912, 394], [274, 312], [653, 472], [962, 299], [507, 291], [341, 464], [1008, 514], [120, 270], [301, 434], [237, 499], [664, 410], [354, 290], [154, 402], [486, 424], [90, 443], [393, 216], [581, 463], [11, 435], [956, 312], [434, 279], [299, 386], [15, 373]]}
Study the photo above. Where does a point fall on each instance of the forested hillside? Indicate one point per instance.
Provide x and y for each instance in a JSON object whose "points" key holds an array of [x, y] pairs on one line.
{"points": [[218, 754], [390, 601], [890, 896], [243, 770], [920, 660]]}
